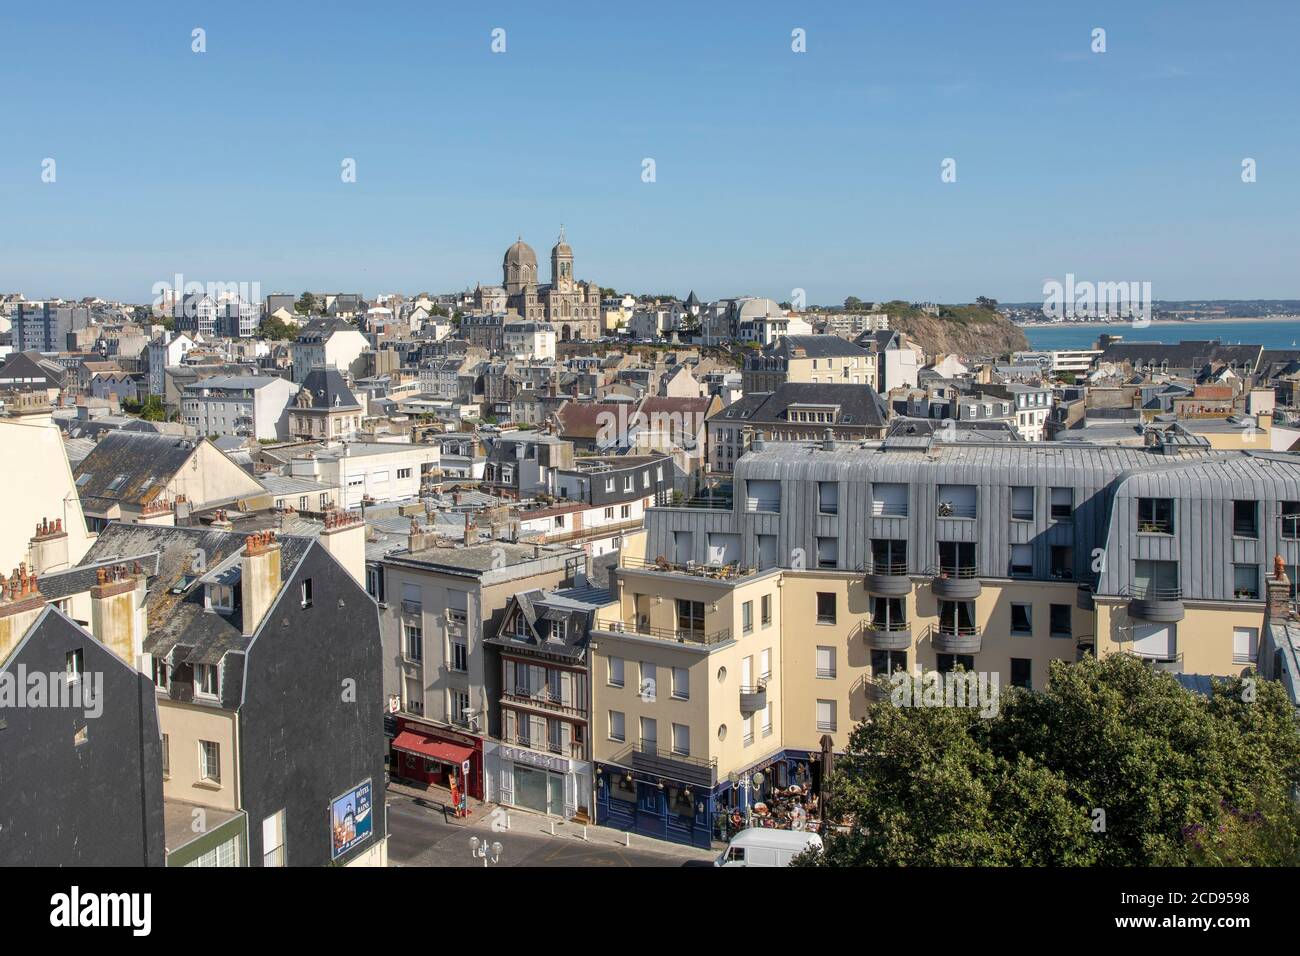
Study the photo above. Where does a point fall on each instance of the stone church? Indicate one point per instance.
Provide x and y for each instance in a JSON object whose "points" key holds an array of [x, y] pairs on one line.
{"points": [[572, 307]]}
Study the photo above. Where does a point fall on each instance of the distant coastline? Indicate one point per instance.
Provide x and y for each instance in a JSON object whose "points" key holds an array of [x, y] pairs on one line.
{"points": [[1128, 323]]}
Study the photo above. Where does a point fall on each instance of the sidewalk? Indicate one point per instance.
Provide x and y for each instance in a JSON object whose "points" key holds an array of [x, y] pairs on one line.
{"points": [[439, 798], [506, 819]]}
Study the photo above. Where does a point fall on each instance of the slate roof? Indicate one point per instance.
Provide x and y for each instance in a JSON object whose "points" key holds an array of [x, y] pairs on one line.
{"points": [[131, 466], [179, 626], [328, 390], [817, 346], [860, 405]]}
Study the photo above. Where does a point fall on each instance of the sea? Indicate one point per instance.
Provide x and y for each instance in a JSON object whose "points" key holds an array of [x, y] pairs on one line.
{"points": [[1270, 333]]}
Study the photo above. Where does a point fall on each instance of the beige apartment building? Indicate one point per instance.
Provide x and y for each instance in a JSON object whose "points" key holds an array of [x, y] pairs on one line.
{"points": [[920, 555]]}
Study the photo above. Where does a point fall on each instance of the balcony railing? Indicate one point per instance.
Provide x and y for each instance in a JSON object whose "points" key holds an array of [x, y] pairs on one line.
{"points": [[1159, 526], [574, 751], [888, 627], [412, 607], [887, 569], [955, 571], [545, 698], [676, 635], [1148, 592], [888, 509], [772, 505], [647, 757], [953, 509], [717, 572]]}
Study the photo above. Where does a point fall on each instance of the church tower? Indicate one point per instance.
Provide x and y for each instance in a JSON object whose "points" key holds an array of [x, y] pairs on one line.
{"points": [[562, 265]]}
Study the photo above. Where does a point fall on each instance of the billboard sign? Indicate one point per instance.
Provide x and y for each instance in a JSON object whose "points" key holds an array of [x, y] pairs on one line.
{"points": [[352, 819]]}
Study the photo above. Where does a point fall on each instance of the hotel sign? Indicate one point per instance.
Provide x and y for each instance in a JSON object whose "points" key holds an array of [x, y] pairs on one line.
{"points": [[534, 759]]}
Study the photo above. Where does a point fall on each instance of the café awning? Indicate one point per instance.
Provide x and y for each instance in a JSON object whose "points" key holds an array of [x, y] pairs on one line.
{"points": [[412, 742]]}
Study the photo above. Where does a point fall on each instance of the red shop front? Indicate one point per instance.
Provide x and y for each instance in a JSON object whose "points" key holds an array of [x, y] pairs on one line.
{"points": [[431, 756]]}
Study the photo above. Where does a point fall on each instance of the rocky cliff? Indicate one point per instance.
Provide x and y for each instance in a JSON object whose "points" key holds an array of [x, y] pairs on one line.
{"points": [[967, 330]]}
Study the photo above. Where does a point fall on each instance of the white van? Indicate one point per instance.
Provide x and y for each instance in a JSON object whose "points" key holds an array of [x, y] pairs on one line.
{"points": [[760, 846]]}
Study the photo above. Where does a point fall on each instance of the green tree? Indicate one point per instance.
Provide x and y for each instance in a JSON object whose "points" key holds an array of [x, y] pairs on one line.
{"points": [[1165, 767], [852, 303], [306, 304], [277, 330]]}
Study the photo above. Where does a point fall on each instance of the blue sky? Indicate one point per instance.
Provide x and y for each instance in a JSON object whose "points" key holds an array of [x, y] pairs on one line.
{"points": [[775, 170]]}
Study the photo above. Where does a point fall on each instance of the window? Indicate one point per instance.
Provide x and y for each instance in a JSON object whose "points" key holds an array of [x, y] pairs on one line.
{"points": [[459, 707], [375, 583], [306, 592], [1022, 504], [682, 740], [221, 597], [616, 672], [1245, 645], [1245, 522], [609, 514], [765, 609], [73, 665], [205, 680], [681, 683], [767, 720], [957, 559], [273, 848], [1156, 641], [828, 498], [166, 755], [945, 663], [765, 664], [1291, 519], [889, 556], [413, 642], [826, 663], [1155, 516], [1062, 562], [459, 655], [210, 761], [828, 552], [747, 723], [690, 615], [411, 600], [885, 663], [1021, 672], [826, 715], [1062, 504], [403, 473], [649, 680], [1245, 581], [649, 735], [1156, 579], [617, 730], [1022, 560], [1061, 623], [1022, 620], [957, 501], [825, 608], [747, 617], [889, 500]]}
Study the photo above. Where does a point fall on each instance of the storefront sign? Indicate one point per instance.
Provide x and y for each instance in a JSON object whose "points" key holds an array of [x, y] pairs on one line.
{"points": [[351, 820], [533, 759]]}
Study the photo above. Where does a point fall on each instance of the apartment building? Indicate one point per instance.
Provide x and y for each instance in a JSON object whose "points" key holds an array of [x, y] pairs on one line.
{"points": [[921, 554], [369, 472], [265, 656], [542, 760], [243, 406], [809, 358], [327, 343], [1032, 405], [439, 604]]}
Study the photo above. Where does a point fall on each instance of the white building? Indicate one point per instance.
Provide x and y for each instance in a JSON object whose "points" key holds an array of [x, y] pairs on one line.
{"points": [[378, 471], [1060, 361], [242, 406], [529, 340], [168, 350], [324, 343]]}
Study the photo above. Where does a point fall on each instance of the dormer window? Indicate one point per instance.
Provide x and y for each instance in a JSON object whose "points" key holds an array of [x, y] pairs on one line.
{"points": [[221, 598], [521, 627], [557, 631]]}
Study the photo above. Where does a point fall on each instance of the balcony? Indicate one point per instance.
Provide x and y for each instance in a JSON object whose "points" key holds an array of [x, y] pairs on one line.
{"points": [[753, 698], [947, 638], [543, 699], [714, 572], [646, 757], [887, 635], [1157, 605], [888, 580], [572, 751], [412, 607], [956, 582], [673, 635]]}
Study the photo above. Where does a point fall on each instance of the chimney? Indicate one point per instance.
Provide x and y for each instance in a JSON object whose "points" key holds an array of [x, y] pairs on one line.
{"points": [[21, 604], [1277, 599], [828, 442], [48, 548], [418, 538], [117, 611], [470, 531], [221, 521], [259, 577], [344, 537]]}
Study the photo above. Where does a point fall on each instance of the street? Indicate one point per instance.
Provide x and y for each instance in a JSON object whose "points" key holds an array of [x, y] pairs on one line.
{"points": [[419, 835]]}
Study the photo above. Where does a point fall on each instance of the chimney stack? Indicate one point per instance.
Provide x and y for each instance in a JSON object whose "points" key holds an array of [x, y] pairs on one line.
{"points": [[259, 578], [344, 537], [418, 538], [21, 603], [117, 611], [1278, 592], [48, 548], [470, 531]]}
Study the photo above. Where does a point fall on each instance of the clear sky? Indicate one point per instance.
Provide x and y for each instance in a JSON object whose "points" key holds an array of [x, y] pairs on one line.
{"points": [[775, 170]]}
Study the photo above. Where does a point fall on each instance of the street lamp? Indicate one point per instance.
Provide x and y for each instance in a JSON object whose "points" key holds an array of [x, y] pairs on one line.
{"points": [[481, 850]]}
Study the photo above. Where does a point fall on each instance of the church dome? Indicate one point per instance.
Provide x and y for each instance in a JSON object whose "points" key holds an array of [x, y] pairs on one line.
{"points": [[521, 253]]}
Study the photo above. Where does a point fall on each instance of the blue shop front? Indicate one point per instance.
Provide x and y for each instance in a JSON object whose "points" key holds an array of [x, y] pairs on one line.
{"points": [[673, 799]]}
